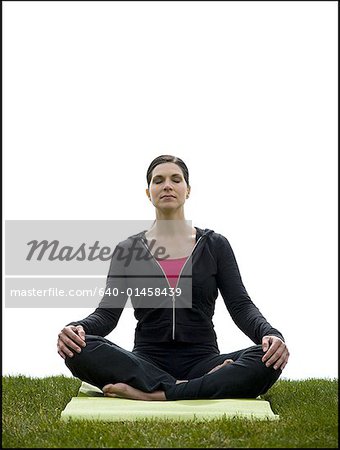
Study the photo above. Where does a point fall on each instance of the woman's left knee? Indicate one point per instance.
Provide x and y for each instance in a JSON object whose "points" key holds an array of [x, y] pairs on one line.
{"points": [[269, 371]]}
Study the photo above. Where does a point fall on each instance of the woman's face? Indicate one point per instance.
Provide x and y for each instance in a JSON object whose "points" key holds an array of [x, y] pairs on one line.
{"points": [[168, 188]]}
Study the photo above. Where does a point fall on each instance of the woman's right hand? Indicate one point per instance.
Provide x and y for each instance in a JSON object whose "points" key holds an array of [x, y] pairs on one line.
{"points": [[71, 337]]}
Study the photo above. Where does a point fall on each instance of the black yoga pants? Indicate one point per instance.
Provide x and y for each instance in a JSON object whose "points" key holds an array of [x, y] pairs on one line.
{"points": [[152, 367]]}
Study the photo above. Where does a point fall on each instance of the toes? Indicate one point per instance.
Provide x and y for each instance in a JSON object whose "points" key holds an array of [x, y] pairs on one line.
{"points": [[107, 388], [227, 361], [110, 394], [115, 390]]}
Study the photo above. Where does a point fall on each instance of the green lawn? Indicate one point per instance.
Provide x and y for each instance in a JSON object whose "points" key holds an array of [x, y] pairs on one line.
{"points": [[32, 406]]}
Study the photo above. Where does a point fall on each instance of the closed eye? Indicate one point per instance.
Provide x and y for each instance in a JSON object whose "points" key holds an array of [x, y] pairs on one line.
{"points": [[176, 181]]}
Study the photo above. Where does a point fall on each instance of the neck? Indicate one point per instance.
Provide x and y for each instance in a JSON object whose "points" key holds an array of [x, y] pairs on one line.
{"points": [[172, 227], [170, 215]]}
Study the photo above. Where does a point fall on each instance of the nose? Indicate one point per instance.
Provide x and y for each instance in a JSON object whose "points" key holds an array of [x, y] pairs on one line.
{"points": [[168, 185]]}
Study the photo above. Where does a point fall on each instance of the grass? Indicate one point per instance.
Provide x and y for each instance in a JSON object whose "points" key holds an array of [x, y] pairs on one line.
{"points": [[32, 406]]}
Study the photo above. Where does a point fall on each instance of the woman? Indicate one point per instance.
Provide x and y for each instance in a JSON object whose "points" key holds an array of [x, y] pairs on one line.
{"points": [[175, 355]]}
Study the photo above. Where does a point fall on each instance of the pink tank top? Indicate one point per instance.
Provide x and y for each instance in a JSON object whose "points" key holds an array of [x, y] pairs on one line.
{"points": [[172, 268]]}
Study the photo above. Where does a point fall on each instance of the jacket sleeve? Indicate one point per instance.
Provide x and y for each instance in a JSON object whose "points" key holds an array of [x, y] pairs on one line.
{"points": [[105, 317], [242, 310]]}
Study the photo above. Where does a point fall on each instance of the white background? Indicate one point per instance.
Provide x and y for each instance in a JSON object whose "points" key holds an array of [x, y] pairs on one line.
{"points": [[244, 92]]}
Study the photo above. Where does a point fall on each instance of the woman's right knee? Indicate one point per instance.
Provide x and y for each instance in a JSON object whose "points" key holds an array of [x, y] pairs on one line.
{"points": [[78, 358], [87, 353]]}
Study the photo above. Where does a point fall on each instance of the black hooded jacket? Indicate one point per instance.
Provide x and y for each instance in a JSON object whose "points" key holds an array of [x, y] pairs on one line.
{"points": [[211, 267]]}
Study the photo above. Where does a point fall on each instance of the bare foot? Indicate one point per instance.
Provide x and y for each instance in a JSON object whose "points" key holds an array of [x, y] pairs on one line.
{"points": [[225, 363], [181, 381], [126, 391]]}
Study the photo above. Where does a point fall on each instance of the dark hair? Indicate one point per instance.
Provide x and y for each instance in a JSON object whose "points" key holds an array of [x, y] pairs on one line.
{"points": [[164, 159]]}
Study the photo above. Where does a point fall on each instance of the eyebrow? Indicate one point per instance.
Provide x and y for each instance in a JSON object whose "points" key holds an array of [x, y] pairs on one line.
{"points": [[173, 175]]}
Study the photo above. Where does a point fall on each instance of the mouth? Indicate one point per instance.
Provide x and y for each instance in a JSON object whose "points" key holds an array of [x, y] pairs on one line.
{"points": [[168, 196]]}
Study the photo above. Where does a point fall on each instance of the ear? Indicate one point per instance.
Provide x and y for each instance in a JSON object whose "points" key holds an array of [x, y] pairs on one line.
{"points": [[147, 193]]}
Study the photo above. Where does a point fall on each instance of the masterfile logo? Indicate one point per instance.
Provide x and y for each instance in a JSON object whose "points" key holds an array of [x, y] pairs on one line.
{"points": [[88, 263]]}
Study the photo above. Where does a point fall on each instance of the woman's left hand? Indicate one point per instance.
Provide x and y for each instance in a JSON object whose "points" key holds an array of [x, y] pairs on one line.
{"points": [[276, 352]]}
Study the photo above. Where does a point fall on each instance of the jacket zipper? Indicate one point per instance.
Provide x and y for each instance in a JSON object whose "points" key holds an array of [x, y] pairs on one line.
{"points": [[173, 297]]}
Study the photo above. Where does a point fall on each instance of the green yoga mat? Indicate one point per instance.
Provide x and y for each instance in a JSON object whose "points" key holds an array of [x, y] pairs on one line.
{"points": [[90, 404]]}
